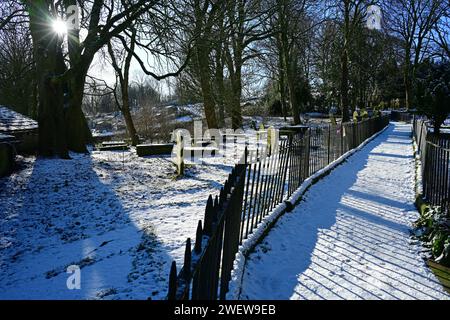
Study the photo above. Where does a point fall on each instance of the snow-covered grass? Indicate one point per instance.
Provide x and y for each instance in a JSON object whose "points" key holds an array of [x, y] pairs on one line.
{"points": [[121, 218], [349, 238], [278, 122]]}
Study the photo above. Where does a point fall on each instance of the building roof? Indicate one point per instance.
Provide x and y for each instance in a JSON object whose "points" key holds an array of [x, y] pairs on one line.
{"points": [[6, 138], [11, 121]]}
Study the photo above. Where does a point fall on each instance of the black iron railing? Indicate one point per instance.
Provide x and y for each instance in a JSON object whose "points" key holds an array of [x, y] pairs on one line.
{"points": [[434, 151], [256, 185]]}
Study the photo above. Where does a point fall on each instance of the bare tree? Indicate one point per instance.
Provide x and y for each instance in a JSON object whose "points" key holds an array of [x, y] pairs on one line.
{"points": [[121, 62], [12, 14], [17, 73], [60, 84], [327, 62], [291, 24], [247, 23], [205, 14], [441, 32], [413, 21], [353, 13]]}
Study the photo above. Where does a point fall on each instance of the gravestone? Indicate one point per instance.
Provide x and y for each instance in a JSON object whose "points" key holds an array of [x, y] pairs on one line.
{"points": [[179, 153]]}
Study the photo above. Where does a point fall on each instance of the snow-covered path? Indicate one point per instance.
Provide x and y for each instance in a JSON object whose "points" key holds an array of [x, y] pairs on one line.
{"points": [[349, 238]]}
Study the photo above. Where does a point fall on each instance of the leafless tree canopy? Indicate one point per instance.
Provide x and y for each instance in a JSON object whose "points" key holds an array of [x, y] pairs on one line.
{"points": [[294, 55]]}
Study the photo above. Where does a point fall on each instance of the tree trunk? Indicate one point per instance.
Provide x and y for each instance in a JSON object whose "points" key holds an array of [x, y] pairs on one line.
{"points": [[281, 77], [33, 112], [236, 113], [344, 87], [290, 63], [130, 125], [219, 67], [407, 79], [286, 55], [62, 124], [124, 80], [48, 58], [344, 64], [236, 87], [235, 70], [220, 86], [77, 129], [127, 115], [222, 114], [202, 54], [293, 99], [282, 89], [202, 50], [50, 117]]}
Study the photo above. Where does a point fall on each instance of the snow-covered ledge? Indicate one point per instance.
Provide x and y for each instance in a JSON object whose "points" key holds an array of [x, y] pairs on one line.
{"points": [[250, 243]]}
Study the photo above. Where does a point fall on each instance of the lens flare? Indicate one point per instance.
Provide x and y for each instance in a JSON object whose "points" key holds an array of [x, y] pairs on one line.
{"points": [[60, 27]]}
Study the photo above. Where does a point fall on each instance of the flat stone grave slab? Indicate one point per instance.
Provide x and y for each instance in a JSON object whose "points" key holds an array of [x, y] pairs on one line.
{"points": [[296, 129], [154, 149], [114, 147], [113, 143]]}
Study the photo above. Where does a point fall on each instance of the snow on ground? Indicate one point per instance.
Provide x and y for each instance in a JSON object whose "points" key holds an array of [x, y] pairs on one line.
{"points": [[279, 122], [122, 219], [349, 238]]}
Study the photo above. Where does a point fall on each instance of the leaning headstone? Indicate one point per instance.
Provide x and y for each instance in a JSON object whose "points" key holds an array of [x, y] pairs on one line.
{"points": [[332, 119], [272, 140], [355, 116], [179, 153], [261, 132]]}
